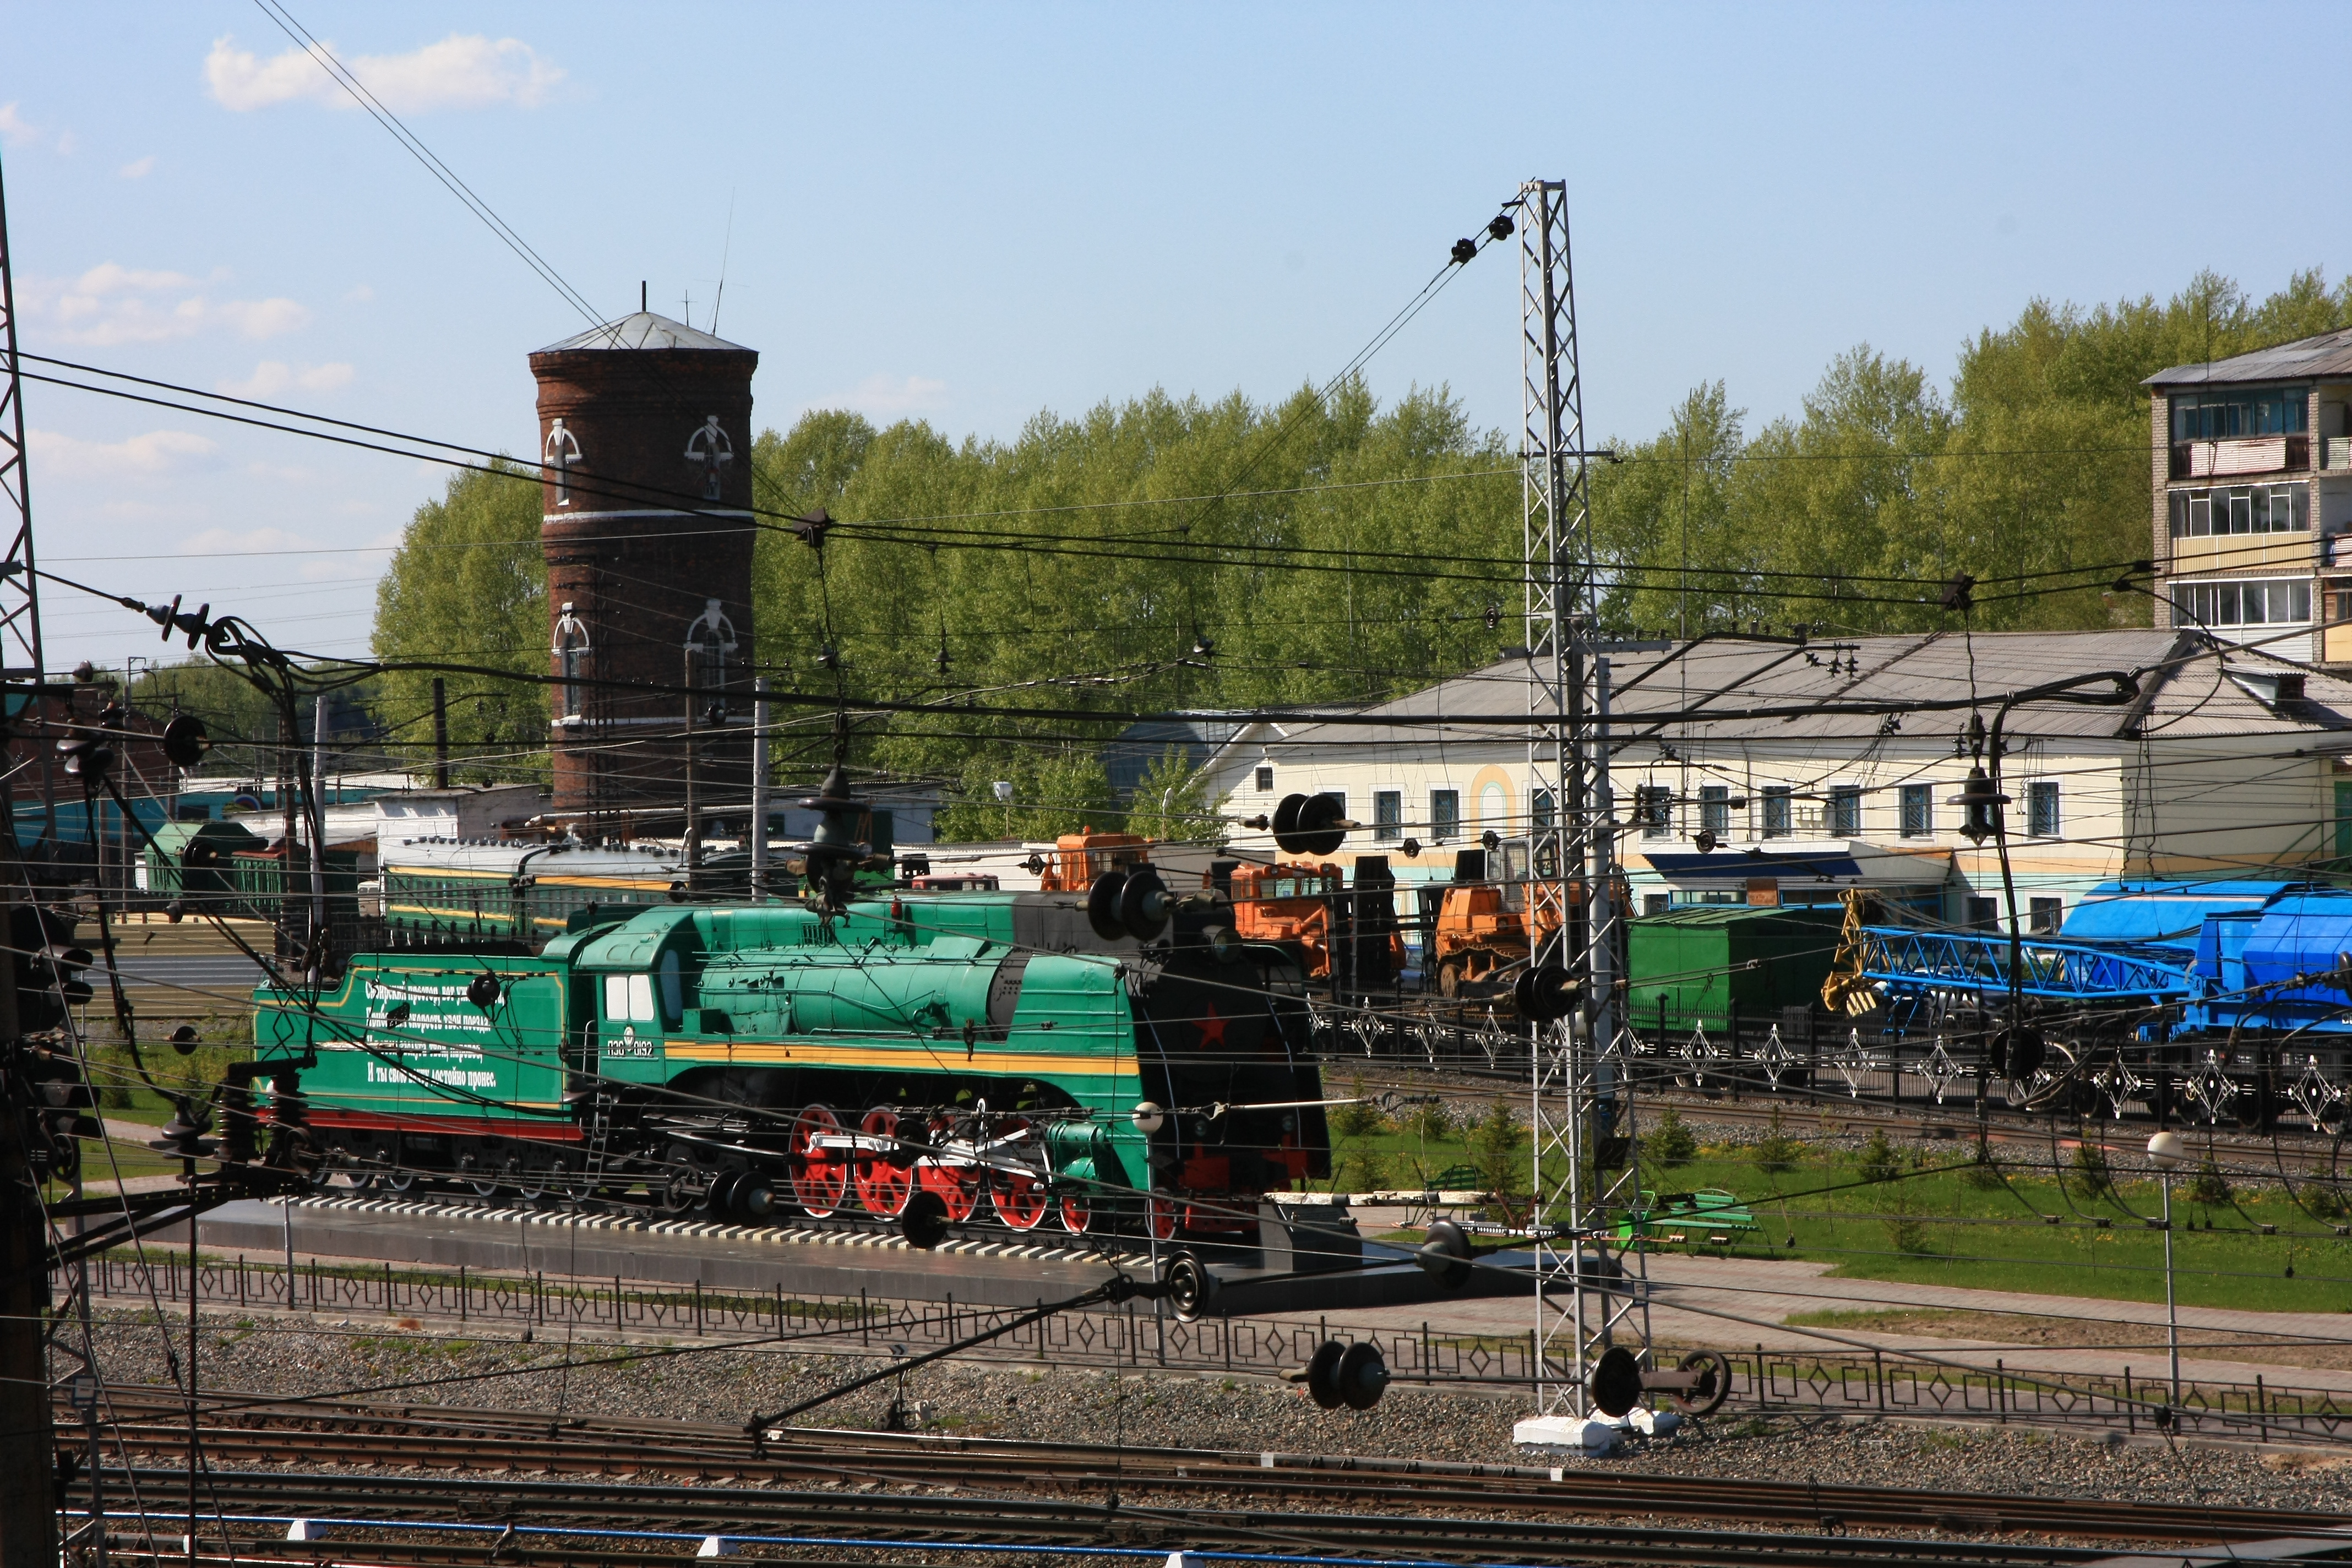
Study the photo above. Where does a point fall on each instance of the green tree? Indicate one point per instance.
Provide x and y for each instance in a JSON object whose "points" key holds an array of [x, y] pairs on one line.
{"points": [[1171, 801], [468, 585], [1499, 1148], [1777, 1151], [1878, 1161], [1671, 1143]]}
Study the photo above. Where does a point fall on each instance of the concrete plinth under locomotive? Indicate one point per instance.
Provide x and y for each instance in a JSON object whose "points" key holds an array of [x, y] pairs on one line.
{"points": [[646, 523]]}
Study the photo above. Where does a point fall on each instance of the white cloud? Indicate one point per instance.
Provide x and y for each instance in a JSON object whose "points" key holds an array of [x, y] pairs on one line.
{"points": [[263, 318], [138, 168], [884, 394], [464, 70], [15, 130], [112, 304], [153, 455], [274, 376]]}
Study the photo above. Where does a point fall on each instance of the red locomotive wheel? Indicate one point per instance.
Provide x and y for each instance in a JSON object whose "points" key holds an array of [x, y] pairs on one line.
{"points": [[1019, 1198], [958, 1187], [820, 1175], [883, 1186], [1077, 1213], [1163, 1215]]}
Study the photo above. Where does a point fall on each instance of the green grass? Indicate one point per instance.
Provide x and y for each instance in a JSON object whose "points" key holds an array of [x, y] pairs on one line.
{"points": [[1942, 1229]]}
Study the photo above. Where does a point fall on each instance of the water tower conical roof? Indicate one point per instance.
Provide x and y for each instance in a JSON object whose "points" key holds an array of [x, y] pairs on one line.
{"points": [[643, 330]]}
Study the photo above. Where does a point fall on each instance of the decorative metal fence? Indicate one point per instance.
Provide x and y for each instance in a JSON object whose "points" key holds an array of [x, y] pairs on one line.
{"points": [[1132, 1335]]}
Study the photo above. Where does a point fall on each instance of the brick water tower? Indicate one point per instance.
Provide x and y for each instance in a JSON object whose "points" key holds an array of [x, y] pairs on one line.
{"points": [[645, 460]]}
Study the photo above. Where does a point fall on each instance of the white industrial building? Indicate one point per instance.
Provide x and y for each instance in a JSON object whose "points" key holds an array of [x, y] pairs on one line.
{"points": [[2226, 763]]}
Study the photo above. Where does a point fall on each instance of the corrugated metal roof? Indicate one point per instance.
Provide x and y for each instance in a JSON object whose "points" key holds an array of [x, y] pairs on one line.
{"points": [[642, 330], [2187, 690], [2329, 354]]}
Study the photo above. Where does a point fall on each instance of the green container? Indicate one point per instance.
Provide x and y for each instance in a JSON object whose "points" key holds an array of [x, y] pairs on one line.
{"points": [[1704, 959]]}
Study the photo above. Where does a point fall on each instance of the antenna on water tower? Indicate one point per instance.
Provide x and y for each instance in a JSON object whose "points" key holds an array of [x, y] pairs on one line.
{"points": [[641, 295]]}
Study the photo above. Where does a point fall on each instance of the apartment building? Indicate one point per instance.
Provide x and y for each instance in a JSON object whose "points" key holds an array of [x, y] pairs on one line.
{"points": [[2253, 498]]}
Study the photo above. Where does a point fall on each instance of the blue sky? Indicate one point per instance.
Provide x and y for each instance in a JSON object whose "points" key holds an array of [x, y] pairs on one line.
{"points": [[969, 214]]}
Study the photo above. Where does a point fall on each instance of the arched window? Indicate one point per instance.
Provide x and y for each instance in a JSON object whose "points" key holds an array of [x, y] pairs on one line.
{"points": [[708, 641], [710, 451], [570, 652], [560, 453]]}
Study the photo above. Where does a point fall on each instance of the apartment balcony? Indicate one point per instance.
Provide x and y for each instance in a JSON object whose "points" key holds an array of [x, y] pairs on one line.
{"points": [[2249, 455]]}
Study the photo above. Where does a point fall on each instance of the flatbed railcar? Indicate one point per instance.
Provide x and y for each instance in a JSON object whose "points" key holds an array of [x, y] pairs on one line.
{"points": [[1016, 1057], [2214, 1002]]}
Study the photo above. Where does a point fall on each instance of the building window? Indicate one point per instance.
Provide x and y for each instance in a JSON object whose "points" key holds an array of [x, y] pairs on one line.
{"points": [[1715, 810], [708, 643], [572, 665], [2046, 916], [1265, 780], [2041, 809], [1919, 811], [2228, 415], [1388, 816], [1656, 903], [1654, 810], [1843, 817], [2241, 508], [1984, 914], [1777, 821], [2267, 601], [2343, 819], [1444, 814], [1539, 810]]}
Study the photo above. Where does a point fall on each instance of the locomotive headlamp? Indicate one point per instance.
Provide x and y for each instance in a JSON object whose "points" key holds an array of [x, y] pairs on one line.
{"points": [[1148, 1118], [1982, 798]]}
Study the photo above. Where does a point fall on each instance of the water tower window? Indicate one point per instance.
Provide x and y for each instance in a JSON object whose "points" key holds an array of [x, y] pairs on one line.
{"points": [[709, 449], [561, 451], [572, 650], [708, 643]]}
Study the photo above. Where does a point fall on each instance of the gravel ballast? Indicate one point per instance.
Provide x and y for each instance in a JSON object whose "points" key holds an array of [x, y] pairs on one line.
{"points": [[400, 1365]]}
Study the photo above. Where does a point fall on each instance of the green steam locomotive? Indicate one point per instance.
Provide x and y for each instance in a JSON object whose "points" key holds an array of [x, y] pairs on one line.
{"points": [[1116, 1058]]}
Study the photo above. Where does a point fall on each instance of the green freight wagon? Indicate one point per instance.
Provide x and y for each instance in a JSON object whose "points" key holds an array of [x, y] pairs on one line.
{"points": [[192, 861], [1693, 967]]}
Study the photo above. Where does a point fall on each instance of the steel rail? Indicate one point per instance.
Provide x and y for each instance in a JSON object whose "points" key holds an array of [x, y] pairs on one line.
{"points": [[920, 1516], [503, 1441]]}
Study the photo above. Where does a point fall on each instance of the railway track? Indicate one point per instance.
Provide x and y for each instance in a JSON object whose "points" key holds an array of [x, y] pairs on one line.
{"points": [[933, 1516], [1957, 1121], [831, 1465]]}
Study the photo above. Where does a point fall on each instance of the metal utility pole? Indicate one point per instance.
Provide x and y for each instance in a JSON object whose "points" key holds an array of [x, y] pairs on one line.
{"points": [[760, 787], [28, 1491], [319, 830], [1578, 1090], [440, 734], [28, 1502], [691, 843], [20, 599]]}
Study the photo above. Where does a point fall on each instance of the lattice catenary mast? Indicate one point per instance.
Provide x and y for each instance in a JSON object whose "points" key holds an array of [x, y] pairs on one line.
{"points": [[1581, 1121], [20, 606]]}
